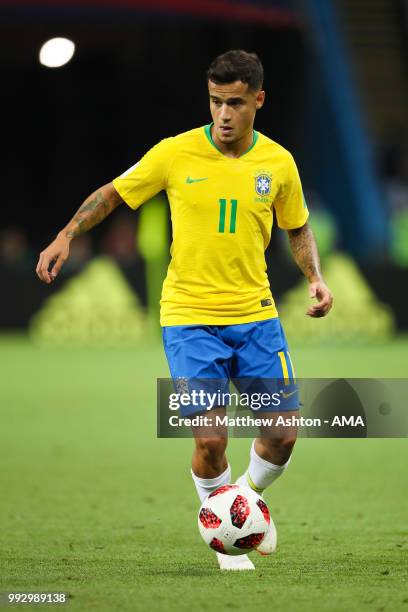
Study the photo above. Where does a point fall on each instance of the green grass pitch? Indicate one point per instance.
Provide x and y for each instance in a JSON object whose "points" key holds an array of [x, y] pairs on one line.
{"points": [[93, 504]]}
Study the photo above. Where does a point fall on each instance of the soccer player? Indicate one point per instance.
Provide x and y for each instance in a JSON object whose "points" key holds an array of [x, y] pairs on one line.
{"points": [[223, 181]]}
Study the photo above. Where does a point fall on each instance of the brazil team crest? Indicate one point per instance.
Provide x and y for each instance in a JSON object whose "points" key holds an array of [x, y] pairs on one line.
{"points": [[263, 182]]}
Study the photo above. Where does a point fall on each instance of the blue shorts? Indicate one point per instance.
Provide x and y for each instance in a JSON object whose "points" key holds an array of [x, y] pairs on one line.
{"points": [[254, 356]]}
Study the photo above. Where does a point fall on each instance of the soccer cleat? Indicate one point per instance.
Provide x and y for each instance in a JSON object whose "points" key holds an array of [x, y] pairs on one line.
{"points": [[268, 544], [237, 564]]}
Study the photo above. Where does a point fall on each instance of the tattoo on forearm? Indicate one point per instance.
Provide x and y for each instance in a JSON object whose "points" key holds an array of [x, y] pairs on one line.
{"points": [[304, 250], [92, 212]]}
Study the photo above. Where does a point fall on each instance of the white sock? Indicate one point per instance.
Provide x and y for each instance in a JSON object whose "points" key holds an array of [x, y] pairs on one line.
{"points": [[261, 473], [205, 486]]}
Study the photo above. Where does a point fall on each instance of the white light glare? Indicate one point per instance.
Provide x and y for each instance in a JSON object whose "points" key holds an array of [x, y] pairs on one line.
{"points": [[56, 52]]}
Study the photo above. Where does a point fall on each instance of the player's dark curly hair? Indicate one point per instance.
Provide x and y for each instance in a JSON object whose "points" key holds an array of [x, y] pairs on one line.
{"points": [[237, 65]]}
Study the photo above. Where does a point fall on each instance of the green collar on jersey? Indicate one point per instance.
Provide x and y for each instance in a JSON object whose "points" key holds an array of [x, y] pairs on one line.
{"points": [[207, 130]]}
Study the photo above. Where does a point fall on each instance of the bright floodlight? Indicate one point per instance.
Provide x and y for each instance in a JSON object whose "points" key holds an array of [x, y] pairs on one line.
{"points": [[56, 52]]}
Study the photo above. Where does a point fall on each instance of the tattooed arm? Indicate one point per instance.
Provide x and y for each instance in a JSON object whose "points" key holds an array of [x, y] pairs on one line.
{"points": [[95, 208], [305, 253]]}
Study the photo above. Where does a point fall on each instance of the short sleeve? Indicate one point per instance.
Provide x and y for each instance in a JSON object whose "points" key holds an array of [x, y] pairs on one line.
{"points": [[147, 177], [290, 204]]}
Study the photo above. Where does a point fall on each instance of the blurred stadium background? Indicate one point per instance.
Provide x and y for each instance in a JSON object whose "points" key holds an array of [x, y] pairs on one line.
{"points": [[80, 358]]}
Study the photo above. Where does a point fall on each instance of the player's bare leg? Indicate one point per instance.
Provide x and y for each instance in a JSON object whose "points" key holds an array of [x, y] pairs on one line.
{"points": [[210, 470], [209, 458], [269, 457]]}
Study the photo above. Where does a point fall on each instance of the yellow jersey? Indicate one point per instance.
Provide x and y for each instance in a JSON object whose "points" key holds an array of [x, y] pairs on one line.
{"points": [[222, 215]]}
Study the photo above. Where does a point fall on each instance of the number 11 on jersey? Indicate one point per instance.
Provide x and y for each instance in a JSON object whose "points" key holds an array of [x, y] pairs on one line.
{"points": [[233, 217]]}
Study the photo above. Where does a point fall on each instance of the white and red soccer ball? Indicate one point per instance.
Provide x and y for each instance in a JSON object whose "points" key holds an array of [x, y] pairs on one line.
{"points": [[233, 520]]}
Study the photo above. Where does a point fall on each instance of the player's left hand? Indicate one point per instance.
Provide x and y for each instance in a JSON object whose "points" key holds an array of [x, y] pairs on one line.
{"points": [[321, 292]]}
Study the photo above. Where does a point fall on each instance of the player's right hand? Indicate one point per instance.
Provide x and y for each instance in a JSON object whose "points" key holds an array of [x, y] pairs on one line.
{"points": [[57, 253]]}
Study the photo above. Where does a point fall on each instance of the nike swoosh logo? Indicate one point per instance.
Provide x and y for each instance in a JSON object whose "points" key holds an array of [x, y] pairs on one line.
{"points": [[191, 180], [286, 395]]}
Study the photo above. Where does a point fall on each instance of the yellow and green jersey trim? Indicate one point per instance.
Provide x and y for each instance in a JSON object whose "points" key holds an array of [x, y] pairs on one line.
{"points": [[207, 130]]}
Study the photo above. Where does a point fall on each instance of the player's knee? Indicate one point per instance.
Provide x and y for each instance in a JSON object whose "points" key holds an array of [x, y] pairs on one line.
{"points": [[211, 450]]}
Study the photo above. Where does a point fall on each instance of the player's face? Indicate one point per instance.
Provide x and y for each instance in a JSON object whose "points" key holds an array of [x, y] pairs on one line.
{"points": [[233, 107]]}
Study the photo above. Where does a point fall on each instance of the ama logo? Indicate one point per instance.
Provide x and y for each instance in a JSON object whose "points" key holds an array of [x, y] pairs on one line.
{"points": [[263, 183]]}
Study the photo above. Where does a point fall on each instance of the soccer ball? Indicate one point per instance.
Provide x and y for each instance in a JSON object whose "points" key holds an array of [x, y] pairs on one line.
{"points": [[233, 520]]}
